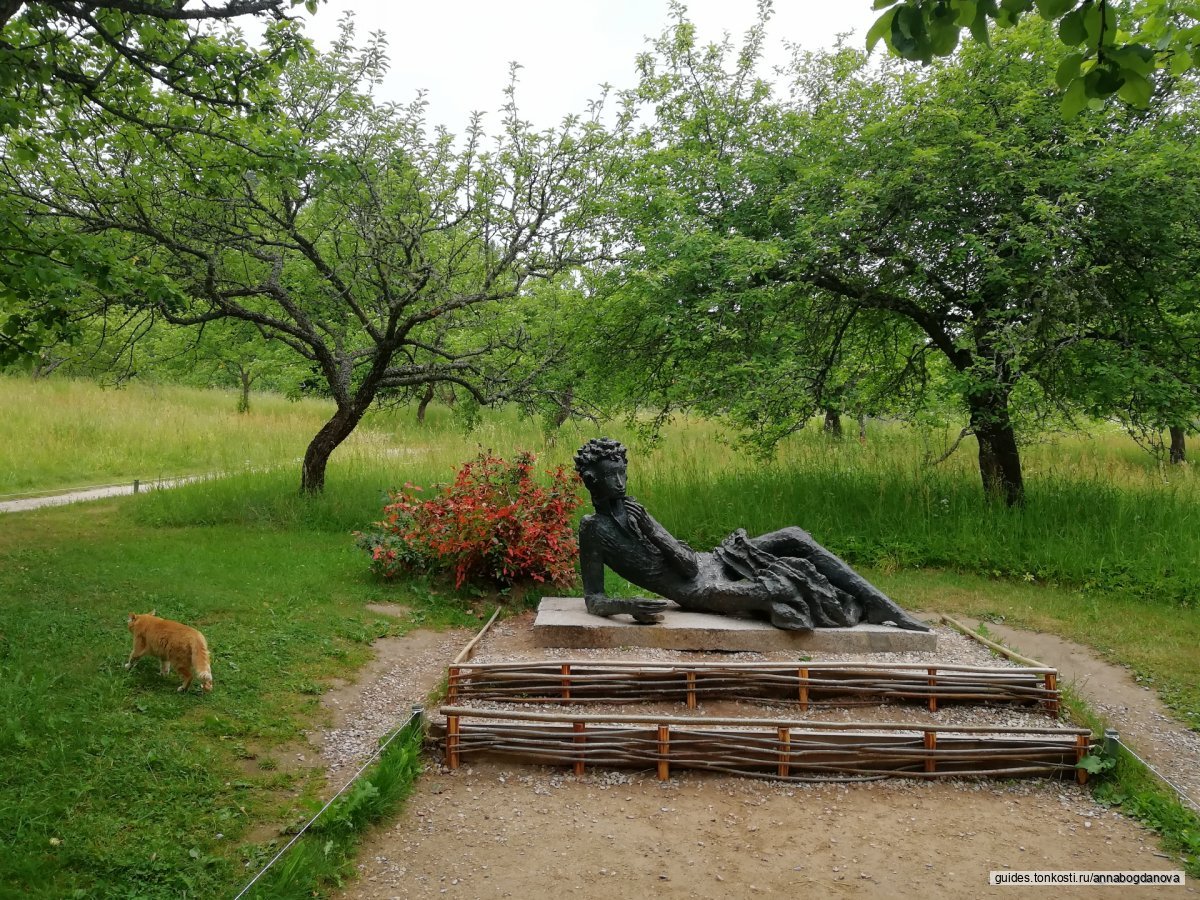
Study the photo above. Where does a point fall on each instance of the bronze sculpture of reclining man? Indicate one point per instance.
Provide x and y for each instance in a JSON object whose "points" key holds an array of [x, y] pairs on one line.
{"points": [[784, 576]]}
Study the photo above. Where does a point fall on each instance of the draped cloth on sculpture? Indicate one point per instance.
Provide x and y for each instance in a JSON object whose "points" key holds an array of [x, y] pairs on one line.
{"points": [[828, 606]]}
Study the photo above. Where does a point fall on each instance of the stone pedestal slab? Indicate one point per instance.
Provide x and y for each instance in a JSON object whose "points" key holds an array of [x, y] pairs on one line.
{"points": [[564, 622]]}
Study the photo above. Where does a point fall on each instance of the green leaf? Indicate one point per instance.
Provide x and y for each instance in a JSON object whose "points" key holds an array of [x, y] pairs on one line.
{"points": [[1074, 100], [881, 29], [908, 33], [1068, 69], [967, 10], [943, 39], [1134, 57], [1103, 81], [1093, 23], [1137, 89], [979, 28], [1095, 764], [1180, 63], [1071, 30], [880, 4], [1052, 9]]}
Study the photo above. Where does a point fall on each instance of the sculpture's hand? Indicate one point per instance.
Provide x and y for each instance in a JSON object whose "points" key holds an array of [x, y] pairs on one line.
{"points": [[637, 512], [645, 611], [681, 556]]}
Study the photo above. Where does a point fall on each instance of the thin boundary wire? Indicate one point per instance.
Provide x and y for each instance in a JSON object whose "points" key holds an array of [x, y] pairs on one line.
{"points": [[417, 713], [1167, 781]]}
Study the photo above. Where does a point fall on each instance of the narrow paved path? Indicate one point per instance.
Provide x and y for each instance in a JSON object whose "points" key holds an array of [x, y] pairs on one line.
{"points": [[99, 493]]}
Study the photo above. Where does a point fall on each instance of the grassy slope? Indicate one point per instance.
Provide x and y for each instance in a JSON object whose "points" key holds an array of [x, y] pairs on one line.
{"points": [[117, 786], [81, 435]]}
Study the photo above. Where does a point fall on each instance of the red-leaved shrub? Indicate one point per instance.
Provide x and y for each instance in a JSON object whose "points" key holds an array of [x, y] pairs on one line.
{"points": [[495, 524]]}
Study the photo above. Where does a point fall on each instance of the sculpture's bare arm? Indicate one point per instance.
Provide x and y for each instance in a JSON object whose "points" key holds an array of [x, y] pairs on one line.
{"points": [[591, 568]]}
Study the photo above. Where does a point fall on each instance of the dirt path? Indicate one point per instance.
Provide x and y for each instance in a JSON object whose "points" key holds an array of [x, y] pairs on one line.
{"points": [[538, 835], [1141, 719], [495, 830]]}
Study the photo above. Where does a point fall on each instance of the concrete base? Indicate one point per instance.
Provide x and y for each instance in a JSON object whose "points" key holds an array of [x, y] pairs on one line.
{"points": [[564, 622]]}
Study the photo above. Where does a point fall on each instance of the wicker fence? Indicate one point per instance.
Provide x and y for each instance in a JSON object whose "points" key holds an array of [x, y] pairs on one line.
{"points": [[765, 748], [804, 684]]}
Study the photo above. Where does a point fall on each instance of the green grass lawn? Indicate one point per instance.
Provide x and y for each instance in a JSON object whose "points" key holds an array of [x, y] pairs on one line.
{"points": [[115, 785]]}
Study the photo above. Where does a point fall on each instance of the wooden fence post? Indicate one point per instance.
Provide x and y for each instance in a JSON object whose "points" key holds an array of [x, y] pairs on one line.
{"points": [[785, 751], [933, 700], [452, 751], [804, 690], [664, 752], [1052, 686], [579, 740], [931, 746]]}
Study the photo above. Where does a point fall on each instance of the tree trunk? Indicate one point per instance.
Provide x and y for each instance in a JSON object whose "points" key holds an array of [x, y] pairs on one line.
{"points": [[244, 403], [833, 423], [1178, 445], [564, 407], [316, 457], [862, 429], [426, 398], [999, 459]]}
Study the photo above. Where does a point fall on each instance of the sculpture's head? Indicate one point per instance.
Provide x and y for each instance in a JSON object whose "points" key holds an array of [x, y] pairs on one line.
{"points": [[601, 463]]}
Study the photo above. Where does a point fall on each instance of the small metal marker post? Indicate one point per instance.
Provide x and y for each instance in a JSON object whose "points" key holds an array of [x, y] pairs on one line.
{"points": [[136, 485], [1111, 740]]}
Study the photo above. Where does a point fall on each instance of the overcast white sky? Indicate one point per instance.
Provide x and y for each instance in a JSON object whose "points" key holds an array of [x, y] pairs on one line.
{"points": [[459, 50]]}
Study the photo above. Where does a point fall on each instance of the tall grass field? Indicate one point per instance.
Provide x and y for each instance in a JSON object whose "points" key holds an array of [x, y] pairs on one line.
{"points": [[116, 786]]}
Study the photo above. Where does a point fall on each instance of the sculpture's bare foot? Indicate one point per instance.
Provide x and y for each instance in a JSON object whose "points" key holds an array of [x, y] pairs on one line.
{"points": [[882, 612], [791, 618], [645, 611]]}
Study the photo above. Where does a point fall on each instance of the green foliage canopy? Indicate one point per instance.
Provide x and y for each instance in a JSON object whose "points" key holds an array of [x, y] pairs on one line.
{"points": [[883, 224], [61, 63], [1115, 48], [382, 255]]}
